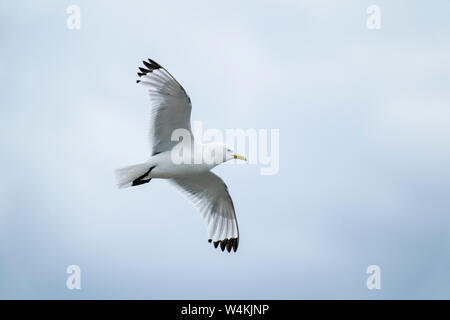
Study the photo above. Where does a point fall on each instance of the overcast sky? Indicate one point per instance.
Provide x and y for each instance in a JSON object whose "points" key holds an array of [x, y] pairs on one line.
{"points": [[364, 124]]}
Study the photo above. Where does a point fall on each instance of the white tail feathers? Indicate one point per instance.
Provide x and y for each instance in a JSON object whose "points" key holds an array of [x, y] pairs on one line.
{"points": [[126, 175]]}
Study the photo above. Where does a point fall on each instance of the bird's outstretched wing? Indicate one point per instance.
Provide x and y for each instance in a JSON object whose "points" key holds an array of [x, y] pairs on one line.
{"points": [[210, 195], [170, 105]]}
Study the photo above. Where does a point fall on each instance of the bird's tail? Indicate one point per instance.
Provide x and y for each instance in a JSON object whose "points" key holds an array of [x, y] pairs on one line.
{"points": [[133, 175]]}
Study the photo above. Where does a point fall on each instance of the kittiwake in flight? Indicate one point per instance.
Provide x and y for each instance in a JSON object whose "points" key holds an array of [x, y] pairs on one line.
{"points": [[170, 111]]}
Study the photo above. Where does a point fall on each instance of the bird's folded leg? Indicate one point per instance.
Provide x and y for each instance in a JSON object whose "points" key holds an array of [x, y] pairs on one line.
{"points": [[142, 179]]}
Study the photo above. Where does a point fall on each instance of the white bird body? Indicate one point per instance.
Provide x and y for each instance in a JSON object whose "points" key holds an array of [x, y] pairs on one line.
{"points": [[171, 110], [165, 168]]}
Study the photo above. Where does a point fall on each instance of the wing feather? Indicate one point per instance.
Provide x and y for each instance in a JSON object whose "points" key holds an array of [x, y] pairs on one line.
{"points": [[170, 105], [210, 196]]}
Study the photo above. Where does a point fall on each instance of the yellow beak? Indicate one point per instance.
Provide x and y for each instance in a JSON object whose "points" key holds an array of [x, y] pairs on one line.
{"points": [[236, 156]]}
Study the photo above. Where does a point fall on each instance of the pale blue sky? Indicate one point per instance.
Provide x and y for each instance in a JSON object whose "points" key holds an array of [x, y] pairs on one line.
{"points": [[364, 125]]}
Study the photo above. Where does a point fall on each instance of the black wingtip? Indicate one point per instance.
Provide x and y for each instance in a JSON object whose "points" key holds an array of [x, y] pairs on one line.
{"points": [[154, 62], [235, 244], [224, 244], [228, 244], [149, 67]]}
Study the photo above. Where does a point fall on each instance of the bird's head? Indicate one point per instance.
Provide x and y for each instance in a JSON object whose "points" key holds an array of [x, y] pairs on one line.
{"points": [[230, 155], [221, 153]]}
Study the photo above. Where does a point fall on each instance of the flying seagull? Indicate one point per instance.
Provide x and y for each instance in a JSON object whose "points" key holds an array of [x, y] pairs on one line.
{"points": [[170, 111]]}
